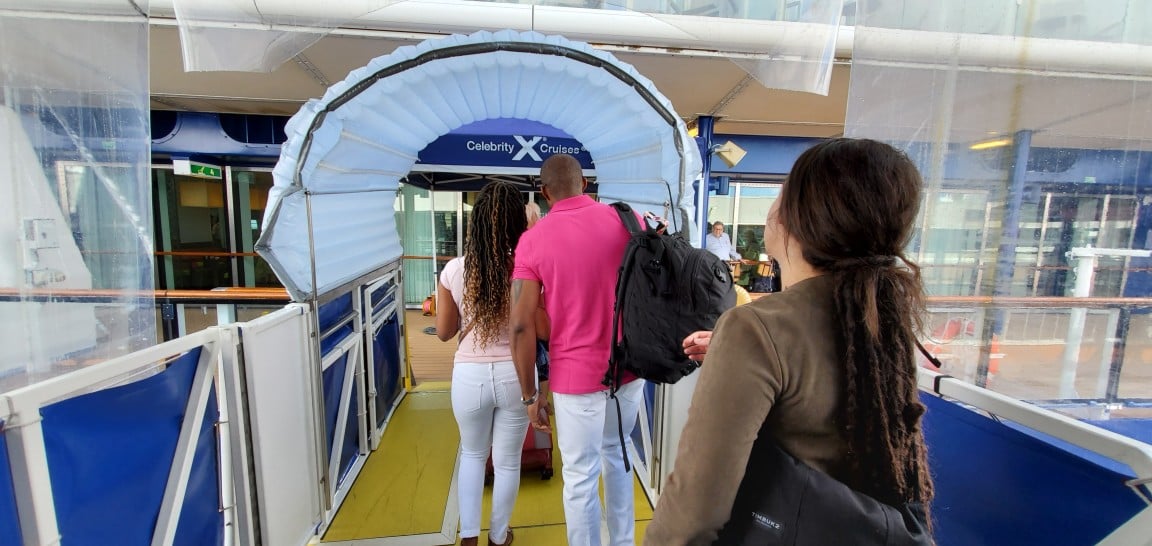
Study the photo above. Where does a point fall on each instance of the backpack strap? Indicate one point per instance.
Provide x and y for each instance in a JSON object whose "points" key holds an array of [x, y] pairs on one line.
{"points": [[628, 218], [612, 378]]}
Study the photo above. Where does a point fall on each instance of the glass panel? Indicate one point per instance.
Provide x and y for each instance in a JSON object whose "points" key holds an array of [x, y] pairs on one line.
{"points": [[949, 250], [720, 208], [754, 203], [415, 222], [97, 222], [1036, 184], [446, 223], [250, 190], [193, 227]]}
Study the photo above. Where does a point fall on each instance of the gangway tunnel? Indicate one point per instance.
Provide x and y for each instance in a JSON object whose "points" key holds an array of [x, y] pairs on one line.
{"points": [[288, 419]]}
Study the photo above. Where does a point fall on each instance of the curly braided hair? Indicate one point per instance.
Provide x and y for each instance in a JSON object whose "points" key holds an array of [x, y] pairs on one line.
{"points": [[851, 204], [498, 219]]}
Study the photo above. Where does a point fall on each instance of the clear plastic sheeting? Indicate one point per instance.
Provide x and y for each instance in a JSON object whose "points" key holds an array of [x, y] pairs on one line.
{"points": [[797, 55], [240, 36], [1032, 125], [801, 60], [365, 133], [76, 268]]}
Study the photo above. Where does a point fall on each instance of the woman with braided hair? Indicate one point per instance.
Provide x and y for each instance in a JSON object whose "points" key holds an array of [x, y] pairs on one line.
{"points": [[826, 368], [473, 299]]}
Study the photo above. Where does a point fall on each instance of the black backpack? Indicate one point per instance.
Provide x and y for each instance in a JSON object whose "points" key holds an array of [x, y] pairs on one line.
{"points": [[665, 290]]}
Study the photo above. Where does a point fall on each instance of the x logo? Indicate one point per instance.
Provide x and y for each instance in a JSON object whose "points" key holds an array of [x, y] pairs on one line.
{"points": [[526, 148]]}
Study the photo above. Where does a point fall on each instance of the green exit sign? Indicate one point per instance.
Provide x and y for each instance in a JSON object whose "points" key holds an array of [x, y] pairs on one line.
{"points": [[188, 167], [207, 171]]}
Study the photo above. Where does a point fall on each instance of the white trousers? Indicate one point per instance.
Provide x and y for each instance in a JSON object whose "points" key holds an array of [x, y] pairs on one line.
{"points": [[586, 428], [486, 403]]}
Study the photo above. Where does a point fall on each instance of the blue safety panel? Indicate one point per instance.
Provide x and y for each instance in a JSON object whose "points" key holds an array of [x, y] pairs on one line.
{"points": [[383, 296], [1073, 449], [637, 438], [109, 454], [201, 521], [351, 440], [9, 518], [333, 384], [332, 312], [1137, 429], [386, 361], [335, 338], [998, 485]]}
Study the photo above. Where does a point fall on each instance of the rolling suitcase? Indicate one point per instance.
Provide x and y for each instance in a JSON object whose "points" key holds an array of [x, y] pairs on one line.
{"points": [[536, 455]]}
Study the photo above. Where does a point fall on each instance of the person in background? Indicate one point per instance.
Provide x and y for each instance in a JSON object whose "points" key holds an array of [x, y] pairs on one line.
{"points": [[719, 243], [827, 366], [473, 299], [569, 260], [533, 212]]}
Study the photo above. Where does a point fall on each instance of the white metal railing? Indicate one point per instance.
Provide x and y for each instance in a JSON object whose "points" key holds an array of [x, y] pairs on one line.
{"points": [[1137, 455], [268, 381], [31, 473]]}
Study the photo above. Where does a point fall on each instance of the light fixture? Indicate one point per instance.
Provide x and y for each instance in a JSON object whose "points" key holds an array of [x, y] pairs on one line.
{"points": [[730, 153], [989, 144]]}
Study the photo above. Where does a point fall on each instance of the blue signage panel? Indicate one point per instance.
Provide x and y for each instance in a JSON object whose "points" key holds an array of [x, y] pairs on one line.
{"points": [[504, 151]]}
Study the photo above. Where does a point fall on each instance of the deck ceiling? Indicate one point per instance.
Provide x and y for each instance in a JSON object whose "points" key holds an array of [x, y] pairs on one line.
{"points": [[1066, 112], [695, 85]]}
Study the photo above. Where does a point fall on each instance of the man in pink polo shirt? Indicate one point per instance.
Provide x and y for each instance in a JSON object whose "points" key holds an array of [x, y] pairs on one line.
{"points": [[570, 258]]}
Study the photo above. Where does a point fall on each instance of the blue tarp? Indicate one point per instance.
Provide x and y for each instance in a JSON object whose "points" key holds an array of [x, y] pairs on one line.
{"points": [[333, 382], [999, 485], [1137, 429], [386, 361], [649, 404], [109, 454], [9, 518]]}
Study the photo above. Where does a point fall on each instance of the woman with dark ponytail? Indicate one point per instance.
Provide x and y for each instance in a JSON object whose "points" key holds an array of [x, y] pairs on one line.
{"points": [[826, 369], [473, 299]]}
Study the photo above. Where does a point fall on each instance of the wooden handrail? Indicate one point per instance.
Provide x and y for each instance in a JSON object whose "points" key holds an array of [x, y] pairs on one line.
{"points": [[1022, 301], [206, 253], [248, 294], [221, 295]]}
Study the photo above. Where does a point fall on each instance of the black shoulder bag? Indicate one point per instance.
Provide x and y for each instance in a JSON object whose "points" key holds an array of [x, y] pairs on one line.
{"points": [[782, 500]]}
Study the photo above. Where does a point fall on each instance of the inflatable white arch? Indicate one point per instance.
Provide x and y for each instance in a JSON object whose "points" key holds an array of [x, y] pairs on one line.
{"points": [[330, 216]]}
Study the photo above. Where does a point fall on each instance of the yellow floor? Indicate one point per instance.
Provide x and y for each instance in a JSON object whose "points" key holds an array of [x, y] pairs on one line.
{"points": [[404, 486]]}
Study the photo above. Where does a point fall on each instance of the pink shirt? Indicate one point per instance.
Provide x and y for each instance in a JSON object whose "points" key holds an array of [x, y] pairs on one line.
{"points": [[452, 277], [575, 252]]}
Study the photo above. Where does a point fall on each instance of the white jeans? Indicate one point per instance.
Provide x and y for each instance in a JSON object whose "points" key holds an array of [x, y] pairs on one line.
{"points": [[586, 425], [486, 403]]}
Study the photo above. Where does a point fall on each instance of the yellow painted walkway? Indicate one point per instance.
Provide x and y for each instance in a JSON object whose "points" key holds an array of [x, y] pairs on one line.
{"points": [[403, 489]]}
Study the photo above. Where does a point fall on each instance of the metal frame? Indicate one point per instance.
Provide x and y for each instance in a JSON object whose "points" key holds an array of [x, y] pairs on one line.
{"points": [[235, 432], [678, 135], [373, 321], [31, 473]]}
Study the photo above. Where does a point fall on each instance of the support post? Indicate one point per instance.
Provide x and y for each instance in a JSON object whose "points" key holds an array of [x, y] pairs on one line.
{"points": [[1006, 258], [704, 127], [1085, 271], [1124, 320]]}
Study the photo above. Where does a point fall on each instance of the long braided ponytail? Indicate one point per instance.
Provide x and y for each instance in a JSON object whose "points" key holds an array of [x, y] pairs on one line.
{"points": [[851, 205]]}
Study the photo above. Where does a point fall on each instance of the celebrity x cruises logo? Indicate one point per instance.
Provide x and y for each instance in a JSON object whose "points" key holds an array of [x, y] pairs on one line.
{"points": [[527, 148]]}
